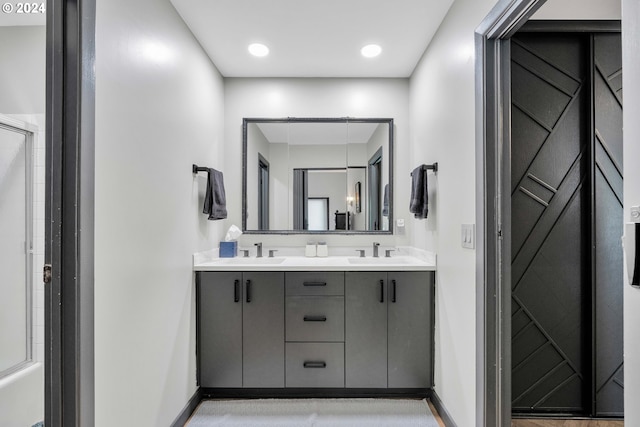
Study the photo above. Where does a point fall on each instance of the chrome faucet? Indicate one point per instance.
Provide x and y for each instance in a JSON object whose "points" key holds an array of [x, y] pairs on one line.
{"points": [[375, 249], [259, 251]]}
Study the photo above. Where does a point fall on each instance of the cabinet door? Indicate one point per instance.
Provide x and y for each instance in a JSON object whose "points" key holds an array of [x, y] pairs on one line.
{"points": [[220, 329], [263, 329], [366, 329], [410, 329]]}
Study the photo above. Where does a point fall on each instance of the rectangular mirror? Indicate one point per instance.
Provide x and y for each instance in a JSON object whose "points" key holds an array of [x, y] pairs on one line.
{"points": [[317, 175]]}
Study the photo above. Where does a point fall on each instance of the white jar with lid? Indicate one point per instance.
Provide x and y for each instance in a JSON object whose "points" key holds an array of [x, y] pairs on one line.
{"points": [[322, 249], [310, 249]]}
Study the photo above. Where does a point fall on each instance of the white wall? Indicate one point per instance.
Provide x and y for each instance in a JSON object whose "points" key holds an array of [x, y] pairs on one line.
{"points": [[159, 108], [22, 74], [631, 135], [579, 9], [22, 85], [315, 98], [443, 130]]}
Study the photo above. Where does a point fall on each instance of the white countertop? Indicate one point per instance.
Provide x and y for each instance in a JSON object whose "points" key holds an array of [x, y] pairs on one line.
{"points": [[407, 259]]}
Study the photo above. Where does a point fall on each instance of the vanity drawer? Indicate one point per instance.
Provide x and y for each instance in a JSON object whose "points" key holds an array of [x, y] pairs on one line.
{"points": [[314, 283], [314, 365], [315, 318]]}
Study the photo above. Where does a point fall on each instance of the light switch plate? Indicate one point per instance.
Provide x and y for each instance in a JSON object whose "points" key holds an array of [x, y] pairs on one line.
{"points": [[468, 236], [635, 213]]}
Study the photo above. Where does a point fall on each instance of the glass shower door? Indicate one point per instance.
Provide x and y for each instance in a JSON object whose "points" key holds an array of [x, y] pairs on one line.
{"points": [[15, 247]]}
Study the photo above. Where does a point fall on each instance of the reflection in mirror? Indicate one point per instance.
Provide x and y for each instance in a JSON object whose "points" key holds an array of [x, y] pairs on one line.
{"points": [[317, 175]]}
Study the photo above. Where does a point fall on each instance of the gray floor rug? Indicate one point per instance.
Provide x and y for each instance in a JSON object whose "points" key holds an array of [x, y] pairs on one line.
{"points": [[313, 413]]}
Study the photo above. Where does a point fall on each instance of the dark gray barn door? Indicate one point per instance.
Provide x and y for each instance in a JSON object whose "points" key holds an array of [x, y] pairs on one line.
{"points": [[609, 382], [564, 227]]}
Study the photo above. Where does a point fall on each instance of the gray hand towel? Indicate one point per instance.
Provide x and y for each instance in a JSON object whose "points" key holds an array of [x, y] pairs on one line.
{"points": [[215, 199], [419, 204]]}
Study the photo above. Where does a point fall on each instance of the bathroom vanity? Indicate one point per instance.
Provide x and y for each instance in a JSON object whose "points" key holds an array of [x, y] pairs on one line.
{"points": [[315, 326]]}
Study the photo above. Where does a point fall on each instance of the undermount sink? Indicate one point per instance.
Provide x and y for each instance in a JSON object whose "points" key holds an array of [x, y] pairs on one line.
{"points": [[382, 260], [249, 261]]}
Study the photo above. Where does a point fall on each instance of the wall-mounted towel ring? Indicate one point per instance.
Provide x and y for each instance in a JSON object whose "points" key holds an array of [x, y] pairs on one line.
{"points": [[195, 169]]}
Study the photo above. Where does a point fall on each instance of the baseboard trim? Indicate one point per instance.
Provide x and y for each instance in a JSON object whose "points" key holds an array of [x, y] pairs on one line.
{"points": [[191, 406], [442, 411], [305, 393]]}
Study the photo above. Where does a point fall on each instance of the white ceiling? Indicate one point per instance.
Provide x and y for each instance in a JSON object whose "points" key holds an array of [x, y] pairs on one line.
{"points": [[317, 133], [313, 38]]}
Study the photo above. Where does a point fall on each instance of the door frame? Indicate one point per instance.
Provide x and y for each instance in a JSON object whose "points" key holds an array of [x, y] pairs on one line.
{"points": [[493, 201], [493, 209], [263, 199], [69, 213], [374, 190]]}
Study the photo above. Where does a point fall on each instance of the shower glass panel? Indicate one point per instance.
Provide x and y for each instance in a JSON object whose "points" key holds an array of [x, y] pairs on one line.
{"points": [[15, 246]]}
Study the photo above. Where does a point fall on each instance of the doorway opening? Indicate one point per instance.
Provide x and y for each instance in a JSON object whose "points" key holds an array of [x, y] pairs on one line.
{"points": [[493, 209], [566, 220], [375, 190], [263, 193]]}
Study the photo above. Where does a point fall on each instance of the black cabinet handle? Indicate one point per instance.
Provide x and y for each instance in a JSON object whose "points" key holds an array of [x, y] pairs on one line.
{"points": [[248, 291], [315, 318], [314, 365], [236, 291], [393, 295], [381, 290], [314, 283]]}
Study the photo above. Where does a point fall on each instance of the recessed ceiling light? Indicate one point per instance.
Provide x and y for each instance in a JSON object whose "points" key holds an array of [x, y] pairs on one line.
{"points": [[258, 49], [371, 50]]}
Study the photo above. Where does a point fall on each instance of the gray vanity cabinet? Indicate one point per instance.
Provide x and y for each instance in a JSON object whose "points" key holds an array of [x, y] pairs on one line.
{"points": [[410, 329], [220, 329], [241, 329], [366, 329], [389, 329], [354, 329]]}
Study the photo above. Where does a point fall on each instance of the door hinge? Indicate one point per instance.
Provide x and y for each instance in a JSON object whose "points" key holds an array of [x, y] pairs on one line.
{"points": [[46, 273]]}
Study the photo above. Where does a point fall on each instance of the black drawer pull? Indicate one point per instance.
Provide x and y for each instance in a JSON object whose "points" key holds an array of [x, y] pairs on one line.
{"points": [[393, 295], [314, 283], [248, 291], [314, 364], [315, 318], [236, 291], [381, 290]]}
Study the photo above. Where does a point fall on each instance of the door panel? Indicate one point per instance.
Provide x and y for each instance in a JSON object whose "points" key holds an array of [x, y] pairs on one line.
{"points": [[566, 224], [220, 329], [409, 302], [263, 329], [549, 226], [15, 331], [366, 329], [609, 381]]}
